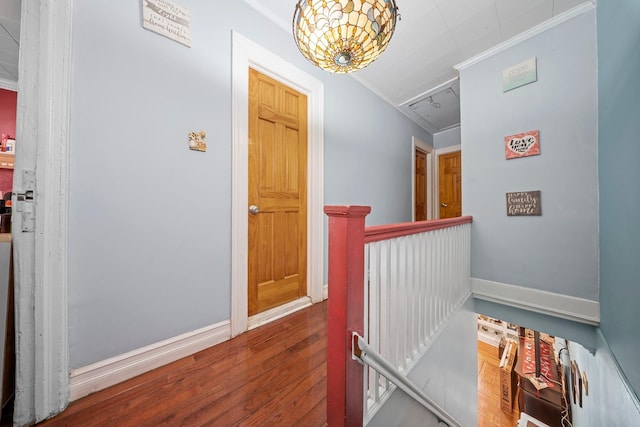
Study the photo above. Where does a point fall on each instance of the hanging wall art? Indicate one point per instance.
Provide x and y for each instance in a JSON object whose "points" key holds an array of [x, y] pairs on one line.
{"points": [[167, 19], [522, 145], [524, 203], [519, 75]]}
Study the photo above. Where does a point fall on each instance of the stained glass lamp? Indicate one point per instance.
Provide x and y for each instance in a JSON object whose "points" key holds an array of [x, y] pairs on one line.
{"points": [[342, 36]]}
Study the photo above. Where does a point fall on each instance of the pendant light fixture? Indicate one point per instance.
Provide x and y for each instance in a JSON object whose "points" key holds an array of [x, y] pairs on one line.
{"points": [[341, 36]]}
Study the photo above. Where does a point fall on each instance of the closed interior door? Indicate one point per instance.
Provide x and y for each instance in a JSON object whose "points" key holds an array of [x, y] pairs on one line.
{"points": [[277, 202], [420, 185], [450, 184]]}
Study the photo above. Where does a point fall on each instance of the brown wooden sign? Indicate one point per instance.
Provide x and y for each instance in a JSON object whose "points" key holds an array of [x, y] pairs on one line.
{"points": [[524, 203]]}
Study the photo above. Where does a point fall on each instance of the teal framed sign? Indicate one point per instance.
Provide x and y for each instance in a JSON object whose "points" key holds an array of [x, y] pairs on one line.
{"points": [[519, 75]]}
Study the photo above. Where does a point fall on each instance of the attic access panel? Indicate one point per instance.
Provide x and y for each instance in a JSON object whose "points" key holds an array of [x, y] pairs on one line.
{"points": [[440, 109]]}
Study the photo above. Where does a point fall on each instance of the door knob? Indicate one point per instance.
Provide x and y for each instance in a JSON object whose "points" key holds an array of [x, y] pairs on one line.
{"points": [[444, 205], [253, 209]]}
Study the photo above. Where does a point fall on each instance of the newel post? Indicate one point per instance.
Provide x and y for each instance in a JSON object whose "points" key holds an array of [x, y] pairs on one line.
{"points": [[345, 376]]}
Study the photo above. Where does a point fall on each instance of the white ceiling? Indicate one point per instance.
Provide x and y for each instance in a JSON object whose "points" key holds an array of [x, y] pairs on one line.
{"points": [[431, 37], [415, 73], [9, 39]]}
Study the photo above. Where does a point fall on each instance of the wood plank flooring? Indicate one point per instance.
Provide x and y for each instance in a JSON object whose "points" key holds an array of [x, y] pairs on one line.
{"points": [[274, 375], [489, 412]]}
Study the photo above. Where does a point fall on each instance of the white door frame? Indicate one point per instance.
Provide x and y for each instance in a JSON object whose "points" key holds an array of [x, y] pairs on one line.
{"points": [[436, 185], [418, 143], [249, 54], [40, 257]]}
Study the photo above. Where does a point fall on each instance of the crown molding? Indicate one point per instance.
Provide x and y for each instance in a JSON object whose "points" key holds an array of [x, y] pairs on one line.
{"points": [[532, 32]]}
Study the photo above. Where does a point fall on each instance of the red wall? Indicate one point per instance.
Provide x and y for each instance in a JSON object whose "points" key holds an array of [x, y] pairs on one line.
{"points": [[8, 106], [6, 180]]}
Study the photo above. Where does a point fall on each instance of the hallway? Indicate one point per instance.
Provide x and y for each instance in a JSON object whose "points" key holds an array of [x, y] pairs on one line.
{"points": [[272, 375]]}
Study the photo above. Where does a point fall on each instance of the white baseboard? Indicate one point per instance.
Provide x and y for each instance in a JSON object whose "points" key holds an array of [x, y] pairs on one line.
{"points": [[549, 303], [278, 312], [325, 292], [103, 374]]}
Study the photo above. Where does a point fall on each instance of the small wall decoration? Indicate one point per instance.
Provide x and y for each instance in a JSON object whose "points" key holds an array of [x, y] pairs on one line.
{"points": [[522, 145], [197, 141], [576, 383], [524, 203], [167, 19], [519, 75], [585, 383]]}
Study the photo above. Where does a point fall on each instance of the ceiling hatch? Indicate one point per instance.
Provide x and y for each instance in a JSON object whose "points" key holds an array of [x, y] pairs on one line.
{"points": [[437, 109]]}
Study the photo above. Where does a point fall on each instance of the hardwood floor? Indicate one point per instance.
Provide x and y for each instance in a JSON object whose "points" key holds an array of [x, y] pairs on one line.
{"points": [[274, 375], [489, 412]]}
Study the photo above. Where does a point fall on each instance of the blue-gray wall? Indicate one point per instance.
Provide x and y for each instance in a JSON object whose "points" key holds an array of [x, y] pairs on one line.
{"points": [[447, 138], [558, 251], [150, 220], [619, 173], [368, 152]]}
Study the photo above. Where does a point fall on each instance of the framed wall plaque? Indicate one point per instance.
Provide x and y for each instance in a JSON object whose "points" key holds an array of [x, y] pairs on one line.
{"points": [[522, 145], [167, 19], [524, 203], [519, 75]]}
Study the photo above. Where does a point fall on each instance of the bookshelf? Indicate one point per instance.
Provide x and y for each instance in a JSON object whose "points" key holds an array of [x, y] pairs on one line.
{"points": [[491, 331]]}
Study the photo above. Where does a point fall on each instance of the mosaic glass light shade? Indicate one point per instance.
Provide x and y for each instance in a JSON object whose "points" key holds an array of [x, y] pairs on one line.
{"points": [[341, 36]]}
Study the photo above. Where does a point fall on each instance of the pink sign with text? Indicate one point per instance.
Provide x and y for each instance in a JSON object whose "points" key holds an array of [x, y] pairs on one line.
{"points": [[522, 145]]}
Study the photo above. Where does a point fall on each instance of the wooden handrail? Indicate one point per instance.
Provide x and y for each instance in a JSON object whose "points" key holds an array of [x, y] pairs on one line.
{"points": [[376, 233]]}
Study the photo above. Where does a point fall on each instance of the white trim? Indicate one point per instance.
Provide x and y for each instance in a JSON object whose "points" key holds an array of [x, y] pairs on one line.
{"points": [[325, 292], [8, 85], [417, 143], [549, 303], [249, 54], [532, 32], [42, 350], [103, 374], [436, 177], [278, 312], [428, 92]]}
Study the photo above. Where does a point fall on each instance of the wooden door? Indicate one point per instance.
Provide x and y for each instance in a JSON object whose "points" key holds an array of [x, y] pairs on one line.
{"points": [[450, 184], [420, 185], [277, 189]]}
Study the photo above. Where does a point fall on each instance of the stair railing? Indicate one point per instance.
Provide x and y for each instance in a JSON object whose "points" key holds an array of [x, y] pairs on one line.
{"points": [[417, 275]]}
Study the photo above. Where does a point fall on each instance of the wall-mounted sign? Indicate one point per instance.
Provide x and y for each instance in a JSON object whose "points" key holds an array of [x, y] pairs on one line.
{"points": [[167, 19], [522, 144], [519, 75], [197, 141], [524, 203]]}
